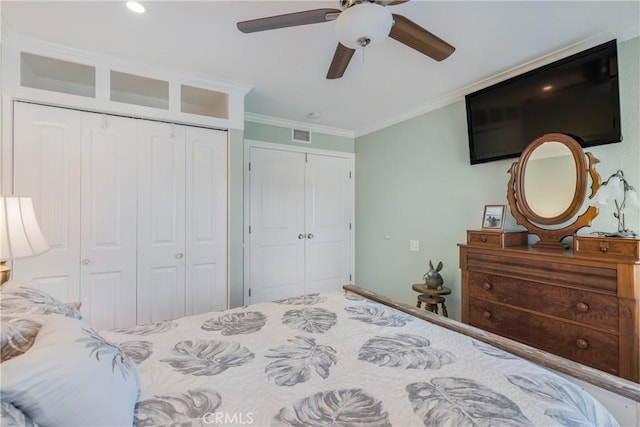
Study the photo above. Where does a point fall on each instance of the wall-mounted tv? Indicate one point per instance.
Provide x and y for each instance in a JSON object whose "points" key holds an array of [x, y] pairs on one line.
{"points": [[577, 96]]}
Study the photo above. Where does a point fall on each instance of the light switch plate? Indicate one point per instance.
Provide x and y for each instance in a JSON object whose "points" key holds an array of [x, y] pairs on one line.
{"points": [[414, 245]]}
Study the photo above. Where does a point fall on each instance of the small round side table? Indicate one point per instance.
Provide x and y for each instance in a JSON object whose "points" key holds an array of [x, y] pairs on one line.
{"points": [[431, 298]]}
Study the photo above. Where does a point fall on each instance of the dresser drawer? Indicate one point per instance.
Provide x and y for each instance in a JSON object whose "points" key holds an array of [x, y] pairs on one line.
{"points": [[574, 304], [606, 246], [538, 270], [580, 343], [496, 239]]}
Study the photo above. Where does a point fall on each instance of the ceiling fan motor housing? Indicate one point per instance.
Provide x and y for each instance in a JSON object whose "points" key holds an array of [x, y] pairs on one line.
{"points": [[363, 24]]}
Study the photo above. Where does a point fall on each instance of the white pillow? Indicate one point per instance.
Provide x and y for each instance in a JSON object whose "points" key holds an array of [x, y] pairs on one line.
{"points": [[19, 297], [72, 377], [13, 417]]}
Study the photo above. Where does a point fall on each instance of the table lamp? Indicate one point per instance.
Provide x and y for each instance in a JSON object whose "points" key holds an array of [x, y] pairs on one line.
{"points": [[615, 186], [20, 235]]}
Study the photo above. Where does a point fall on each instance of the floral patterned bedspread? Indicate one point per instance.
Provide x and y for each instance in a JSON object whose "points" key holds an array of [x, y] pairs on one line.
{"points": [[338, 359]]}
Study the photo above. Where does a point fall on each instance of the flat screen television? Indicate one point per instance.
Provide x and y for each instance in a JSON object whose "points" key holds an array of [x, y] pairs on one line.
{"points": [[577, 96]]}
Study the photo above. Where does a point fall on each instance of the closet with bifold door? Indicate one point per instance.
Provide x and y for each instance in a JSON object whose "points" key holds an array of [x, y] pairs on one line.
{"points": [[300, 222], [135, 212]]}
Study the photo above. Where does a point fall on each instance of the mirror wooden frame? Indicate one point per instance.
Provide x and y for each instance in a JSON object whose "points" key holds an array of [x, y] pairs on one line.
{"points": [[534, 223]]}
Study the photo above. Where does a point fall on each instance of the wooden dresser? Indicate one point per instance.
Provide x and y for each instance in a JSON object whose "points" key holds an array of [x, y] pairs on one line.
{"points": [[578, 305]]}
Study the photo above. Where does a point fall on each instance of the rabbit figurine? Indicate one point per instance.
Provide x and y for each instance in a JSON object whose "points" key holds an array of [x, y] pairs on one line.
{"points": [[432, 278]]}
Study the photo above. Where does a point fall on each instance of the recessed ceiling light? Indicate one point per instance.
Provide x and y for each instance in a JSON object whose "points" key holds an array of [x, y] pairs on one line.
{"points": [[547, 88], [136, 7], [314, 115]]}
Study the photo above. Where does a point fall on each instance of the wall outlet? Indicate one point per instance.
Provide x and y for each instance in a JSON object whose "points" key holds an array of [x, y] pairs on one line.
{"points": [[414, 245]]}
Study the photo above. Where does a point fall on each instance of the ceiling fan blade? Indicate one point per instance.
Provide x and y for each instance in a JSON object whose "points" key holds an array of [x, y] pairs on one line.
{"points": [[340, 61], [413, 35], [288, 20]]}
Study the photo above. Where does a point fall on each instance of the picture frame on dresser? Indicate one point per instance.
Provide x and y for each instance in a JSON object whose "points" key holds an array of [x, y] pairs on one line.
{"points": [[493, 217]]}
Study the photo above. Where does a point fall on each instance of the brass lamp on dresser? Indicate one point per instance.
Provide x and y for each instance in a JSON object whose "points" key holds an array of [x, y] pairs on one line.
{"points": [[580, 302]]}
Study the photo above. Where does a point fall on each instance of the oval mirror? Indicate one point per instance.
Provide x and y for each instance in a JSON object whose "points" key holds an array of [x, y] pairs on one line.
{"points": [[548, 187], [550, 179]]}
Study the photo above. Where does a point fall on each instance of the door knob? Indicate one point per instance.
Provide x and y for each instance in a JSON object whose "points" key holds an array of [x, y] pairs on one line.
{"points": [[309, 236], [85, 261], [301, 236], [179, 256]]}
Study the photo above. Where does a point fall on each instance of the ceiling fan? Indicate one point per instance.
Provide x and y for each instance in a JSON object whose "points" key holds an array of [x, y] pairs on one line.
{"points": [[361, 23]]}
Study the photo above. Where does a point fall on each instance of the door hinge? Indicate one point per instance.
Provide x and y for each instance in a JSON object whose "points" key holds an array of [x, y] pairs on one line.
{"points": [[249, 166], [349, 226], [349, 174], [350, 278], [249, 291], [249, 229]]}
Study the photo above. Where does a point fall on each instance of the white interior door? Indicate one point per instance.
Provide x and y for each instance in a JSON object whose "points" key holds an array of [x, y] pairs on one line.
{"points": [[161, 221], [108, 220], [328, 222], [276, 220], [47, 150], [206, 220]]}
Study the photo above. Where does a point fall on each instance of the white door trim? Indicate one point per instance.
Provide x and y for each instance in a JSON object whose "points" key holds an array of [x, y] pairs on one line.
{"points": [[250, 143]]}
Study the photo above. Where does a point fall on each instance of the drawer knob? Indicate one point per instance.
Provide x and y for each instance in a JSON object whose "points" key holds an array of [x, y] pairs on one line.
{"points": [[581, 343], [486, 314], [483, 239], [582, 306], [487, 285], [603, 249]]}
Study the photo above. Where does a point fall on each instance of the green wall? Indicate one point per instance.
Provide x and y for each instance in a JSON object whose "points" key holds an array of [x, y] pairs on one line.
{"points": [[282, 135], [414, 182]]}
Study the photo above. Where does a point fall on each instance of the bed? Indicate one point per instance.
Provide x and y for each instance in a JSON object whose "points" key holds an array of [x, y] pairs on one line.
{"points": [[335, 358]]}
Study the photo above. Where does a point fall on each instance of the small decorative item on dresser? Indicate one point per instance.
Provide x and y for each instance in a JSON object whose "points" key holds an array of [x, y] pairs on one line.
{"points": [[432, 278], [493, 217], [609, 190]]}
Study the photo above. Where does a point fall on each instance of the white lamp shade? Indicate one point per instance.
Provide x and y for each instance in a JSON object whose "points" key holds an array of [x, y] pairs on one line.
{"points": [[20, 235], [632, 203], [368, 20]]}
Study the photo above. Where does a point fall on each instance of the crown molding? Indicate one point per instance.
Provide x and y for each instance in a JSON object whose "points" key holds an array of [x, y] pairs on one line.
{"points": [[621, 35], [276, 121]]}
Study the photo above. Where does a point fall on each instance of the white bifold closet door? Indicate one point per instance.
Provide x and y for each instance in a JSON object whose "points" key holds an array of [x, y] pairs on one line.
{"points": [[108, 235], [182, 263], [206, 220], [161, 222], [135, 212], [79, 168], [301, 217]]}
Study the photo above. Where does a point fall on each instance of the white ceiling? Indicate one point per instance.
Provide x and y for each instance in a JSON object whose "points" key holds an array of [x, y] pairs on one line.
{"points": [[287, 67]]}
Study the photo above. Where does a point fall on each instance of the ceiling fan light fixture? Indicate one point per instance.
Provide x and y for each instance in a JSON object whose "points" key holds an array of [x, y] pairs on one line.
{"points": [[136, 7], [364, 24]]}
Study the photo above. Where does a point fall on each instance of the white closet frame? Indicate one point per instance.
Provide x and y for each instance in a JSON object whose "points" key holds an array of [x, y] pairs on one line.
{"points": [[180, 108]]}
